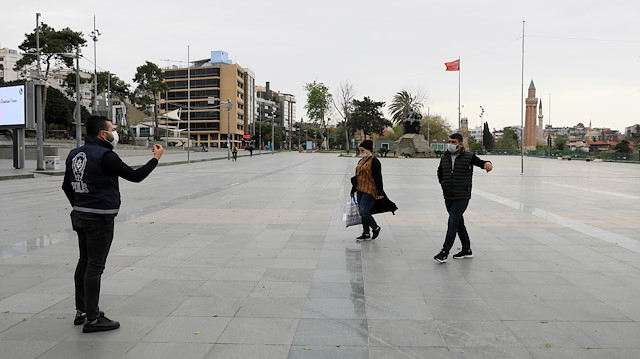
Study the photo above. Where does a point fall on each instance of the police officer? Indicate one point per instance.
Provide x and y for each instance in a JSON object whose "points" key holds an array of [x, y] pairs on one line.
{"points": [[91, 185]]}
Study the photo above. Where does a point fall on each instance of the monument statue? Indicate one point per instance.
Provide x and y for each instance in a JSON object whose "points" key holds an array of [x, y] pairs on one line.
{"points": [[412, 143], [412, 123]]}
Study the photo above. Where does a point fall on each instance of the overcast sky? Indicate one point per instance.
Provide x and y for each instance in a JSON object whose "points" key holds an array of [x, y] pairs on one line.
{"points": [[582, 54]]}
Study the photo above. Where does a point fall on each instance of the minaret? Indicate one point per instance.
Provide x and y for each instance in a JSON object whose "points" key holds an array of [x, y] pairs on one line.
{"points": [[590, 138], [530, 128], [540, 137]]}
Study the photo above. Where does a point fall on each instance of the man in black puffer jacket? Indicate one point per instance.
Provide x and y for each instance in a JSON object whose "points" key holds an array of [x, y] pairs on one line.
{"points": [[455, 174], [91, 185]]}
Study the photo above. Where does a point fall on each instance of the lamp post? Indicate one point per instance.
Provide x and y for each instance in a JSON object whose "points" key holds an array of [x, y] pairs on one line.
{"points": [[481, 123], [95, 33], [273, 142], [40, 128], [78, 109], [229, 107], [429, 142]]}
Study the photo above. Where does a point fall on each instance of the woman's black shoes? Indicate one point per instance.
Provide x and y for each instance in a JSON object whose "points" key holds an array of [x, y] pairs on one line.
{"points": [[364, 237], [376, 232]]}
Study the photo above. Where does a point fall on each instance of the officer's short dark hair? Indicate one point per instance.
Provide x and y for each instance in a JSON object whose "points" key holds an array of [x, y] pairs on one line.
{"points": [[95, 124], [456, 136]]}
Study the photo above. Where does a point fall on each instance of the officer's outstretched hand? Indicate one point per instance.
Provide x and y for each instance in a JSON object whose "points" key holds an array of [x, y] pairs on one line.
{"points": [[488, 166], [157, 151]]}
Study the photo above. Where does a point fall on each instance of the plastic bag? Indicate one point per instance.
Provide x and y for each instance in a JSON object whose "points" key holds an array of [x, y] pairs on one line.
{"points": [[353, 213]]}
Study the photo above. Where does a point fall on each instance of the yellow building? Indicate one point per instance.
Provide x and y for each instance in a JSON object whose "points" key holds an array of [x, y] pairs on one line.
{"points": [[203, 110]]}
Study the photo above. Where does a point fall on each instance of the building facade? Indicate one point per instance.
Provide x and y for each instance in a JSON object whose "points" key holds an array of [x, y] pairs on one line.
{"points": [[276, 107], [8, 59], [200, 91]]}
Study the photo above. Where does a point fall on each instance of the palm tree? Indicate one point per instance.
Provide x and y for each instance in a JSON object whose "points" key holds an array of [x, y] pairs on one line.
{"points": [[402, 103]]}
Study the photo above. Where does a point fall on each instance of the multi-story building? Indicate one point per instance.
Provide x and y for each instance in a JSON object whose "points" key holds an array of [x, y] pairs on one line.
{"points": [[8, 59], [201, 89], [277, 107]]}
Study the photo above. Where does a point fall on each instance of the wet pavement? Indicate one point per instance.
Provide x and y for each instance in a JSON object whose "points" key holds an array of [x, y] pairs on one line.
{"points": [[245, 259]]}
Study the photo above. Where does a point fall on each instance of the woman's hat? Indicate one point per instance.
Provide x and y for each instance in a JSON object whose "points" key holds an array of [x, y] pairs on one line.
{"points": [[367, 145]]}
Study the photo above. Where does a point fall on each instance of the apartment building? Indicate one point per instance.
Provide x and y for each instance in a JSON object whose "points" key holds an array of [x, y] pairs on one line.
{"points": [[278, 107], [8, 59], [200, 91]]}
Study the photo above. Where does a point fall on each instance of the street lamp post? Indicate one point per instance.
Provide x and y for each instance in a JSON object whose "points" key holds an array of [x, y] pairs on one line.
{"points": [[95, 34], [40, 128], [429, 142], [78, 109], [229, 107], [273, 142]]}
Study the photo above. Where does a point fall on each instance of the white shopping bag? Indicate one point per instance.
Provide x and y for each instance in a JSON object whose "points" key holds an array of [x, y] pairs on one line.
{"points": [[352, 212]]}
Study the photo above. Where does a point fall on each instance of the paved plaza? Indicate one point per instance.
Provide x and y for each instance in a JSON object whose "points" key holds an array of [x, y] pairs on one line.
{"points": [[251, 259]]}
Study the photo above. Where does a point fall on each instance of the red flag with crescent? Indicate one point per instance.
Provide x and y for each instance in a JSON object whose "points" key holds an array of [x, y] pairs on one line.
{"points": [[453, 65]]}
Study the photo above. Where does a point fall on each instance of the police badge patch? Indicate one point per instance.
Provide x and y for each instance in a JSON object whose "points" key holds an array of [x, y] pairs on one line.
{"points": [[78, 164]]}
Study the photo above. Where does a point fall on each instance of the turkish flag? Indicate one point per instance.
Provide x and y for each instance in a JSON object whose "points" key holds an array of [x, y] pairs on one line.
{"points": [[453, 65]]}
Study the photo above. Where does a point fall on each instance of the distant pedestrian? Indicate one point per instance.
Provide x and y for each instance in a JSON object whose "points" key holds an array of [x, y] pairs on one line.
{"points": [[250, 151], [234, 151], [367, 186], [455, 174], [91, 185]]}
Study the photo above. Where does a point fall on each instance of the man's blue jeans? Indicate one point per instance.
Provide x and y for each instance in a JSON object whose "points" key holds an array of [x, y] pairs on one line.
{"points": [[94, 239], [365, 202], [456, 208]]}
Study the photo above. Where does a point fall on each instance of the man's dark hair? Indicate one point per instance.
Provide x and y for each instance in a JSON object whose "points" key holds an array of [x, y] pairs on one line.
{"points": [[456, 136], [95, 124]]}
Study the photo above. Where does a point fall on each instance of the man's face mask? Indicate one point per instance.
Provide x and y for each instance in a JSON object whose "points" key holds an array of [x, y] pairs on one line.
{"points": [[116, 137], [452, 147]]}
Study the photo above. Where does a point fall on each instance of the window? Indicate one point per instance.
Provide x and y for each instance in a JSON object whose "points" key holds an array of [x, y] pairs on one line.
{"points": [[145, 131]]}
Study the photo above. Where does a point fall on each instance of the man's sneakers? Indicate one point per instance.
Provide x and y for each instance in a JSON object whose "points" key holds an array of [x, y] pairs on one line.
{"points": [[101, 324], [376, 232], [364, 237], [463, 254], [80, 318], [441, 257]]}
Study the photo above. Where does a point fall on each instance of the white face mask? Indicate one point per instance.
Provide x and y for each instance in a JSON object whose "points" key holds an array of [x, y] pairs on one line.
{"points": [[116, 137], [452, 148]]}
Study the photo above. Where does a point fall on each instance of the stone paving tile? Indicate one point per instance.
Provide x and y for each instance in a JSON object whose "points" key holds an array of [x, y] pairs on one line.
{"points": [[168, 350], [280, 277]]}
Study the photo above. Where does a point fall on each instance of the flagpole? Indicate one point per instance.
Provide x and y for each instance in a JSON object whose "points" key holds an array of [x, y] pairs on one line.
{"points": [[522, 107], [459, 109]]}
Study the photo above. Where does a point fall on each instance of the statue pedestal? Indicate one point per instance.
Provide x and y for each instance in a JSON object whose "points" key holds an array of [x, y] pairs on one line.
{"points": [[413, 145]]}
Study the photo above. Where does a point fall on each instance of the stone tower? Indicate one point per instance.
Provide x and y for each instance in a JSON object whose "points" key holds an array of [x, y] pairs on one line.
{"points": [[530, 128], [464, 131], [540, 137]]}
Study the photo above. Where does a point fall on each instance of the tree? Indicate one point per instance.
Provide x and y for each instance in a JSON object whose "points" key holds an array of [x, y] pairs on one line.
{"points": [[623, 147], [487, 137], [367, 116], [508, 140], [53, 44], [318, 102], [560, 142], [1, 73], [59, 109], [635, 136], [403, 102], [475, 146], [439, 128], [345, 97], [150, 80]]}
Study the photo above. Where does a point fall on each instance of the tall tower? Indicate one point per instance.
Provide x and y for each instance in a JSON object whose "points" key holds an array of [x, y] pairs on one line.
{"points": [[540, 137], [530, 128]]}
